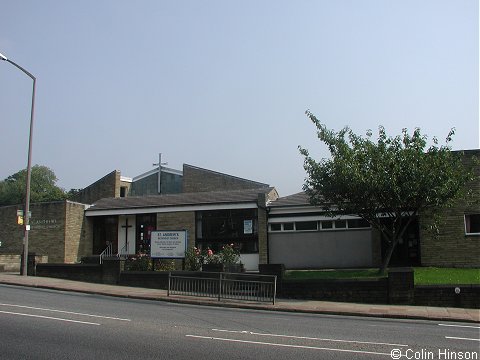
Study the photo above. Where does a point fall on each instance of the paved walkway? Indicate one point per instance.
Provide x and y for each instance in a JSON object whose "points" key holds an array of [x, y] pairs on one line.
{"points": [[304, 306]]}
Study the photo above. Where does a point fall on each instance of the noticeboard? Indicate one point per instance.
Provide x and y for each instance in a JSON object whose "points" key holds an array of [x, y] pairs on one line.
{"points": [[169, 244]]}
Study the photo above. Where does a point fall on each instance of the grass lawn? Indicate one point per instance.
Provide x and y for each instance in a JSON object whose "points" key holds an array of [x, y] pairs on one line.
{"points": [[450, 276], [423, 276]]}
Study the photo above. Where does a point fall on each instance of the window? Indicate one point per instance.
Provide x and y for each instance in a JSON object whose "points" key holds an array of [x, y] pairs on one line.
{"points": [[358, 224], [275, 227], [217, 228], [323, 225], [340, 224], [288, 226], [472, 224], [327, 224], [305, 225]]}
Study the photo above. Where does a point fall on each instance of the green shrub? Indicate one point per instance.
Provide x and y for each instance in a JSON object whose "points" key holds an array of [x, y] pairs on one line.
{"points": [[139, 262], [194, 258]]}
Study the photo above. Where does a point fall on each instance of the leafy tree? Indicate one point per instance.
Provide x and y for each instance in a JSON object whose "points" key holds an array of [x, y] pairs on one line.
{"points": [[393, 177], [72, 194], [42, 187]]}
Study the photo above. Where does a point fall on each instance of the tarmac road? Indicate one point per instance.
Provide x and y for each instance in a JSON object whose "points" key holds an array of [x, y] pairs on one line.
{"points": [[306, 306], [40, 323]]}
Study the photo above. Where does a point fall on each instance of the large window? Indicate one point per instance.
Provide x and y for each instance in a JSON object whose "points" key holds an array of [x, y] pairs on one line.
{"points": [[472, 224], [221, 227]]}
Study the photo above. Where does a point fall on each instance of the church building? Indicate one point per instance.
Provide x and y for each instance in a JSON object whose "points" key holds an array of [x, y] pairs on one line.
{"points": [[215, 209]]}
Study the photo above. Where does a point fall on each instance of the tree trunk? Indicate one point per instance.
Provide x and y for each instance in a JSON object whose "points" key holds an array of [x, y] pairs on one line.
{"points": [[396, 235], [388, 256]]}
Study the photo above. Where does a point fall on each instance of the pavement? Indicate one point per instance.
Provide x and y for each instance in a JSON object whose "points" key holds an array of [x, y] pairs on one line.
{"points": [[286, 305]]}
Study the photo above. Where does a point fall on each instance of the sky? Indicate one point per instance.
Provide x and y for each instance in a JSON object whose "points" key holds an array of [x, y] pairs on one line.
{"points": [[224, 85]]}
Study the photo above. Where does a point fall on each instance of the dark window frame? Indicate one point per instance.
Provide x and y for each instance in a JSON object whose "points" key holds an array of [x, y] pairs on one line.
{"points": [[216, 228], [472, 227]]}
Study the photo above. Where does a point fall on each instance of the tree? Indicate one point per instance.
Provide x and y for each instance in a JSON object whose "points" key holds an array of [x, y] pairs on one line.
{"points": [[72, 194], [42, 187], [394, 178]]}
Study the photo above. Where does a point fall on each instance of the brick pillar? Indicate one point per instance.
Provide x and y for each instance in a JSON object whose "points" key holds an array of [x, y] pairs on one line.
{"points": [[262, 230], [401, 288], [111, 270]]}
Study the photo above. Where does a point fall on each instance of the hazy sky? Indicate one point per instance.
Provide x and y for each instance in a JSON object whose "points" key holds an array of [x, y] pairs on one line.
{"points": [[224, 85]]}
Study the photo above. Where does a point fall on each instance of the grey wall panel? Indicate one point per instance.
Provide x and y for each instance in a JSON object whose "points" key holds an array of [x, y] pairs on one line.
{"points": [[321, 249]]}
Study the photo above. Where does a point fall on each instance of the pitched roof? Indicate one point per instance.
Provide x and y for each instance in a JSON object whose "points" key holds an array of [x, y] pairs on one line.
{"points": [[255, 183], [298, 199], [184, 199]]}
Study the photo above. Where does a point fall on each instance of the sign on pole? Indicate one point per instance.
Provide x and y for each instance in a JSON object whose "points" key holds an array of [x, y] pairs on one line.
{"points": [[20, 217], [170, 244]]}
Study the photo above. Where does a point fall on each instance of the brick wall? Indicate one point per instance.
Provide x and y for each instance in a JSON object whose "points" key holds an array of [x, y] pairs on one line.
{"points": [[10, 263], [47, 234], [145, 279], [57, 231], [201, 180], [374, 291], [178, 221], [361, 291], [87, 235], [77, 272], [262, 230], [125, 184], [106, 187], [75, 245], [444, 295], [11, 234], [451, 247]]}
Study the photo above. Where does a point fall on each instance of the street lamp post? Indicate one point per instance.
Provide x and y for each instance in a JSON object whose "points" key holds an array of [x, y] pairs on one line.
{"points": [[29, 166]]}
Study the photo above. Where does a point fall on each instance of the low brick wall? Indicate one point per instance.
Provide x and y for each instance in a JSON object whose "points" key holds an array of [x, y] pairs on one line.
{"points": [[10, 263], [397, 289], [361, 290], [145, 279], [159, 279], [78, 272], [442, 295]]}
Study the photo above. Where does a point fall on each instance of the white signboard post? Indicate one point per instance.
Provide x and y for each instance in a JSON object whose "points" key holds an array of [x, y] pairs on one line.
{"points": [[170, 244]]}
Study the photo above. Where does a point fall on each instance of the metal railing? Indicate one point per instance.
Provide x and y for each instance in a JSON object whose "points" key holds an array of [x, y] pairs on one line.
{"points": [[123, 252], [232, 286], [108, 252]]}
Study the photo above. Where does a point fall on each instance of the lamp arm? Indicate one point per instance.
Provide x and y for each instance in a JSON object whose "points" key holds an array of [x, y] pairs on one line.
{"points": [[21, 68]]}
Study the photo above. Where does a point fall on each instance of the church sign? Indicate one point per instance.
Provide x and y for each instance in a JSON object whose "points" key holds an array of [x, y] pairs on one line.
{"points": [[44, 224], [170, 244]]}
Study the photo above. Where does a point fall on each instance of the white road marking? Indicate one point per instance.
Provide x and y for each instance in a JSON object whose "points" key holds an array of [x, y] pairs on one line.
{"points": [[459, 338], [309, 338], [461, 326], [48, 318], [289, 346], [64, 312]]}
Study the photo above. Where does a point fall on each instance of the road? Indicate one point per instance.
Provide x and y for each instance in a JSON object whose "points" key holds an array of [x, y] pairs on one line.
{"points": [[47, 324]]}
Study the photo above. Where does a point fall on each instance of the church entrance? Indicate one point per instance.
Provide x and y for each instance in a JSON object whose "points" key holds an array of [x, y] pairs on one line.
{"points": [[146, 223], [126, 234], [134, 232]]}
